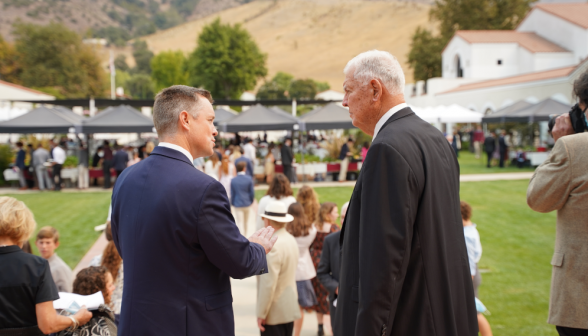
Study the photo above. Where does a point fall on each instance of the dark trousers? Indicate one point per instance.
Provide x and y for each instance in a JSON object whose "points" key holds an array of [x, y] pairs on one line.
{"points": [[106, 165], [118, 172], [288, 173], [285, 329], [489, 158], [565, 331], [57, 173], [502, 155]]}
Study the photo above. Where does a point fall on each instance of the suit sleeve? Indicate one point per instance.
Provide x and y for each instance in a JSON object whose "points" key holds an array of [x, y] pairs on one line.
{"points": [[252, 191], [267, 284], [390, 194], [221, 240], [323, 272], [550, 185]]}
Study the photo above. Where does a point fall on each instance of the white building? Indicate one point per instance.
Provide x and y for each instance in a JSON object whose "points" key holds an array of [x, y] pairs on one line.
{"points": [[487, 70], [330, 95], [10, 91]]}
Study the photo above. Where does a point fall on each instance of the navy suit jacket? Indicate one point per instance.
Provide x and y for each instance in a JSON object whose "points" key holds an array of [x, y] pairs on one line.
{"points": [[249, 165], [120, 160], [173, 226], [242, 192]]}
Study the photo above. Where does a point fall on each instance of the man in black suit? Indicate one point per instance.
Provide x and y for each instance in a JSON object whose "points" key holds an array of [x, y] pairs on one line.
{"points": [[502, 148], [490, 147], [287, 159], [328, 268], [120, 160], [404, 264]]}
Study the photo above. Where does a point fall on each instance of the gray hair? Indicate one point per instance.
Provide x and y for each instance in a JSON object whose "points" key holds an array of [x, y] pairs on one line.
{"points": [[170, 102], [381, 65]]}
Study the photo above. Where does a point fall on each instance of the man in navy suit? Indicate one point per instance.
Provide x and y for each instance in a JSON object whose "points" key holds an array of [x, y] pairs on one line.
{"points": [[248, 163], [173, 227], [242, 196]]}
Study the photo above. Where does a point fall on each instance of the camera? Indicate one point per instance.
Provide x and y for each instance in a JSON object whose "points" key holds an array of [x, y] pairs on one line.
{"points": [[577, 118]]}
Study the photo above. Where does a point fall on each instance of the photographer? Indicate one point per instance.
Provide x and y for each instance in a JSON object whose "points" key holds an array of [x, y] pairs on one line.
{"points": [[560, 184]]}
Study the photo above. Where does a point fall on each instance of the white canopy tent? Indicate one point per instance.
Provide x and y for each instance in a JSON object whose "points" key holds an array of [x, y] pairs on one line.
{"points": [[452, 114]]}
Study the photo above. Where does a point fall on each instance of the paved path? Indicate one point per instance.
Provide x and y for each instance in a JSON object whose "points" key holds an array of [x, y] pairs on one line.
{"points": [[245, 291]]}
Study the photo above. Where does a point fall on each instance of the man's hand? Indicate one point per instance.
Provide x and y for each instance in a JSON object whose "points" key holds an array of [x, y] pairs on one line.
{"points": [[260, 324], [264, 238], [83, 315], [337, 290], [563, 126]]}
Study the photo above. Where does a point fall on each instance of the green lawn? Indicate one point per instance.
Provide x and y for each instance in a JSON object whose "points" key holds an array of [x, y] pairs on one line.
{"points": [[74, 215], [517, 244], [470, 165]]}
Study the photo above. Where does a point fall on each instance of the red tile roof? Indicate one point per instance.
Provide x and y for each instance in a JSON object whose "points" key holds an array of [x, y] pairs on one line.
{"points": [[530, 41], [535, 76], [576, 13], [20, 87]]}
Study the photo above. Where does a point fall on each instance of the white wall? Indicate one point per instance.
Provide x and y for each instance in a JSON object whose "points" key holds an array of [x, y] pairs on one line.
{"points": [[547, 61], [485, 58], [457, 46], [558, 31]]}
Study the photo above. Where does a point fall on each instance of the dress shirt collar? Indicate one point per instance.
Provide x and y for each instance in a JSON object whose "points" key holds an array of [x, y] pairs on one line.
{"points": [[241, 173], [387, 116], [178, 148]]}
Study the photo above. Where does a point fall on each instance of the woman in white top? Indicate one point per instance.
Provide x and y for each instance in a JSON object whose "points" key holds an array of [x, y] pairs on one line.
{"points": [[279, 190], [304, 233], [226, 173], [212, 166]]}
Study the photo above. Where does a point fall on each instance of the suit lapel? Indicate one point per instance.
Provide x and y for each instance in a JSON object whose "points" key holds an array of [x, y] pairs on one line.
{"points": [[405, 112]]}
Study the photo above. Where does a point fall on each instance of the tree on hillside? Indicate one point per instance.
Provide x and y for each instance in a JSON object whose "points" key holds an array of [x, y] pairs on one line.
{"points": [[9, 67], [142, 56], [227, 61], [140, 86], [167, 69], [303, 89], [452, 15], [54, 56], [120, 63], [277, 88]]}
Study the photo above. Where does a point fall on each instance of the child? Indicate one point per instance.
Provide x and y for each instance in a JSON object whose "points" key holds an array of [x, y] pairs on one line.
{"points": [[474, 247], [304, 233], [277, 301], [47, 242]]}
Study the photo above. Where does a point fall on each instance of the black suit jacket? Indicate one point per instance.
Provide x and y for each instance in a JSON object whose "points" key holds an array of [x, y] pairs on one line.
{"points": [[489, 144], [328, 268], [172, 225], [404, 264], [287, 155], [502, 147]]}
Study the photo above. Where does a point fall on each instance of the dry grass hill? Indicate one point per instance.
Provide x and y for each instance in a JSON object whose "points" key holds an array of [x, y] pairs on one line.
{"points": [[312, 39]]}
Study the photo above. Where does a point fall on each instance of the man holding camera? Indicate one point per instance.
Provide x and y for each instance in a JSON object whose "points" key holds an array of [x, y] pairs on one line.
{"points": [[560, 184]]}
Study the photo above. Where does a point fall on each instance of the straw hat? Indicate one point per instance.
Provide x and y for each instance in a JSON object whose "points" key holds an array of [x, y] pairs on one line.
{"points": [[277, 212]]}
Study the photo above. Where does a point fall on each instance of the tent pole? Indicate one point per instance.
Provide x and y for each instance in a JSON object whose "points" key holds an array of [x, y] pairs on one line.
{"points": [[303, 145]]}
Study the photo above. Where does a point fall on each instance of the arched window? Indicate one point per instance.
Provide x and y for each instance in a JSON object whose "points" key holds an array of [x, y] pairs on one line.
{"points": [[458, 67]]}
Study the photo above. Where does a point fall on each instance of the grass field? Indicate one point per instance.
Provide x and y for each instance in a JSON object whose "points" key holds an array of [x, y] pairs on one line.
{"points": [[517, 244], [468, 164]]}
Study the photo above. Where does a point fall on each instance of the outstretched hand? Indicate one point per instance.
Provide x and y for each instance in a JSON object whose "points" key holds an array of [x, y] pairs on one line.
{"points": [[264, 238]]}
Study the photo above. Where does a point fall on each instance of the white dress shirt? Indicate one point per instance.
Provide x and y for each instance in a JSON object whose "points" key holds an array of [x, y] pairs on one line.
{"points": [[178, 148], [58, 155], [387, 116]]}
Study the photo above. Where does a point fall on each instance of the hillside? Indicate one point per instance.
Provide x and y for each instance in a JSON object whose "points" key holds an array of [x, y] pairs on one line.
{"points": [[312, 39]]}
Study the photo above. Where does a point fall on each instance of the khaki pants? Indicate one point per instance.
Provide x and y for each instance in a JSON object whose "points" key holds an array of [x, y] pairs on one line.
{"points": [[477, 149], [343, 171], [242, 219], [83, 177]]}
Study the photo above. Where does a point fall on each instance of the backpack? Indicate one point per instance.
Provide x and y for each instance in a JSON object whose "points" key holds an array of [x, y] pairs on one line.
{"points": [[101, 324]]}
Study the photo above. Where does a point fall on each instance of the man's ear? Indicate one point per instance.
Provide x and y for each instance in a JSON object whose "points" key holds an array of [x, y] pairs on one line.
{"points": [[376, 88], [185, 120]]}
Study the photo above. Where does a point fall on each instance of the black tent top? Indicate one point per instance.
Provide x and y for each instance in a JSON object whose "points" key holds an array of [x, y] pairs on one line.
{"points": [[500, 115], [332, 116], [222, 115], [119, 119], [260, 118], [539, 112], [43, 120]]}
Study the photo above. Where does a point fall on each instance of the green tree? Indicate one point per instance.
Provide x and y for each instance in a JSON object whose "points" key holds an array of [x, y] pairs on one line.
{"points": [[303, 89], [120, 63], [54, 56], [452, 15], [167, 69], [322, 86], [425, 54], [115, 35], [9, 66], [168, 19], [142, 56], [140, 86], [227, 61], [277, 88]]}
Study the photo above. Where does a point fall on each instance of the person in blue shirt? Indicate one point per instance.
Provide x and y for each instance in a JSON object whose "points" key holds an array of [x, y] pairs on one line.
{"points": [[242, 196], [20, 163], [248, 163]]}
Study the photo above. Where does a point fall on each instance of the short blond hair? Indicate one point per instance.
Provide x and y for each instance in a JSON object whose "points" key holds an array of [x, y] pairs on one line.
{"points": [[48, 232], [16, 220]]}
